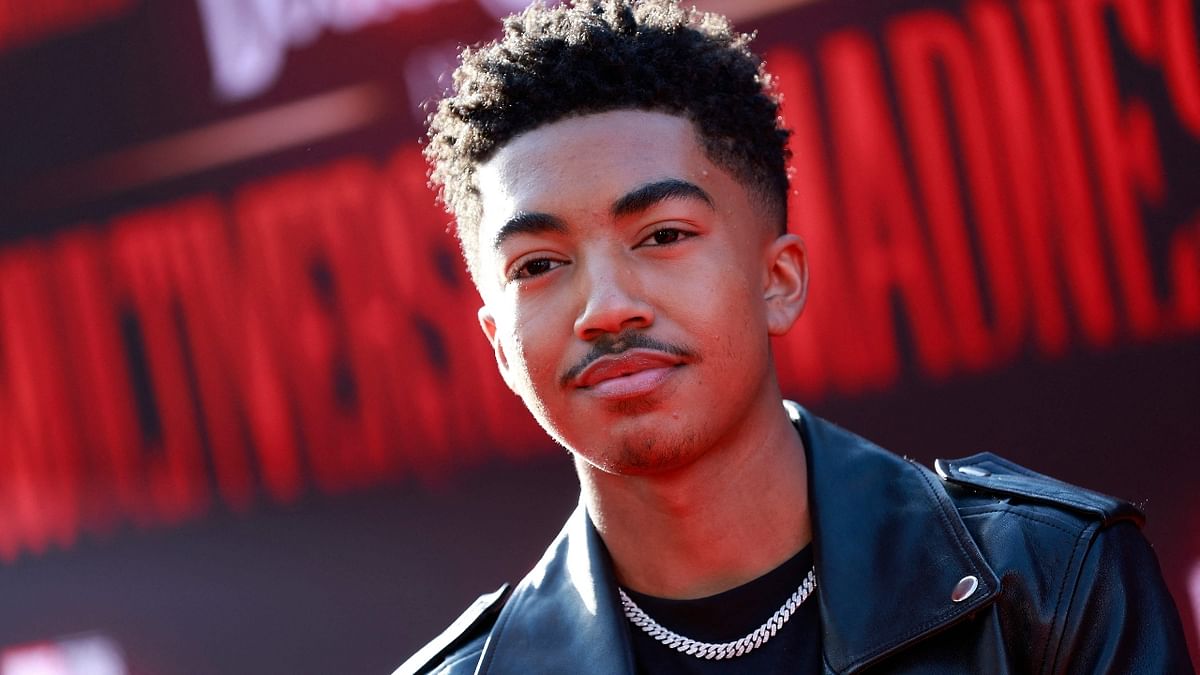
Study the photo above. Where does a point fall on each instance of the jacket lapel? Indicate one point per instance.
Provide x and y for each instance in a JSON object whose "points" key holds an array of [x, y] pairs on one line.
{"points": [[564, 616], [889, 547]]}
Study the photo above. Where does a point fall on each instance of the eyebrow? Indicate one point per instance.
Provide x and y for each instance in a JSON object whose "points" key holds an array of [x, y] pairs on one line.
{"points": [[635, 201], [529, 222], [648, 195]]}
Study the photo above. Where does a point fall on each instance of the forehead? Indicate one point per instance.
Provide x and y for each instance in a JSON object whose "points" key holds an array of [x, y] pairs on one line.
{"points": [[578, 166]]}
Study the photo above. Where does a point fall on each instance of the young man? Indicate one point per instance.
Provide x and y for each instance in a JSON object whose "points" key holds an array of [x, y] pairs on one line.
{"points": [[619, 183]]}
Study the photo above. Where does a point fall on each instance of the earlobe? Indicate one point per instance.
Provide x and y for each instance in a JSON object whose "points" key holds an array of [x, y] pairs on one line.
{"points": [[786, 289], [488, 323]]}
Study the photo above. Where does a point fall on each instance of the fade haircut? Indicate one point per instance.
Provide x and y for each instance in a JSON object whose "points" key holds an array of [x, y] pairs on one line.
{"points": [[594, 56]]}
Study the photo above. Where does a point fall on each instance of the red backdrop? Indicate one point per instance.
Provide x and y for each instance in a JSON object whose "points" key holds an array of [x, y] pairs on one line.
{"points": [[239, 369]]}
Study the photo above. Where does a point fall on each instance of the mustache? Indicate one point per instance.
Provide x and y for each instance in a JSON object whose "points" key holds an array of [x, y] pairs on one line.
{"points": [[610, 345]]}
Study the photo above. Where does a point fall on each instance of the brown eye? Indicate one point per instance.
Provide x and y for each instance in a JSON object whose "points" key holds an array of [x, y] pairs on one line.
{"points": [[666, 236], [535, 267]]}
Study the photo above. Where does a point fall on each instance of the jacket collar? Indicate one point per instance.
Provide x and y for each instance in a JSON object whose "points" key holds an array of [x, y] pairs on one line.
{"points": [[564, 616], [889, 548]]}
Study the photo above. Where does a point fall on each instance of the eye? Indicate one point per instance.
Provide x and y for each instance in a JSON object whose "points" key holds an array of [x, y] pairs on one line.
{"points": [[666, 236], [533, 268]]}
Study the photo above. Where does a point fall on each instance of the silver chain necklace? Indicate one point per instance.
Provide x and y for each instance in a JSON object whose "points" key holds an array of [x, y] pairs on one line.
{"points": [[721, 650]]}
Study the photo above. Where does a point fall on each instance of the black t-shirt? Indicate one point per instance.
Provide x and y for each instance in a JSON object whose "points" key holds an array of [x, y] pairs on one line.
{"points": [[728, 616]]}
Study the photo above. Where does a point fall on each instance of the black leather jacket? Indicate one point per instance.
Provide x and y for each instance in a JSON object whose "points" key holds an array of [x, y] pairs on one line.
{"points": [[1066, 583]]}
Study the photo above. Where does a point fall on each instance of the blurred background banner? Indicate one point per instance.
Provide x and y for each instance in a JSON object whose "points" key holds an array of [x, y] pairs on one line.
{"points": [[248, 423]]}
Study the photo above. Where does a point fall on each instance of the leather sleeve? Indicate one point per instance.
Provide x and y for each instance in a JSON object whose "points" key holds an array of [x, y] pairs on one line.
{"points": [[1121, 619]]}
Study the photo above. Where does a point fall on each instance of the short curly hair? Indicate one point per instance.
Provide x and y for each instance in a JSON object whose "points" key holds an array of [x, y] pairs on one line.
{"points": [[594, 56]]}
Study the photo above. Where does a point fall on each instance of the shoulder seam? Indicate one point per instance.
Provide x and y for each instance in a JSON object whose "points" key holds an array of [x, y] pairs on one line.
{"points": [[1030, 517], [1070, 580]]}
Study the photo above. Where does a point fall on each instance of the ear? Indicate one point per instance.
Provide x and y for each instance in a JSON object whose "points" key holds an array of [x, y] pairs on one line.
{"points": [[488, 323], [786, 289]]}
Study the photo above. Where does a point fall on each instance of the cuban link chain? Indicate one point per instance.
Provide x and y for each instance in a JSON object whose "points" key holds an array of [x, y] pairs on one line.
{"points": [[723, 650]]}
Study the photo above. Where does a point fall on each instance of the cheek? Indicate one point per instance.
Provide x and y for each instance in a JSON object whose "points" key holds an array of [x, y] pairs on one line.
{"points": [[533, 362], [735, 316], [730, 294], [535, 345]]}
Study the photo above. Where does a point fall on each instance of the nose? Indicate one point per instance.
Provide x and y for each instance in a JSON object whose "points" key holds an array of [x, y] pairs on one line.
{"points": [[613, 301]]}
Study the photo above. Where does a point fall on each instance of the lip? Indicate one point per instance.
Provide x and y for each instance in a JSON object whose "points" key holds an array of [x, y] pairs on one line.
{"points": [[631, 373]]}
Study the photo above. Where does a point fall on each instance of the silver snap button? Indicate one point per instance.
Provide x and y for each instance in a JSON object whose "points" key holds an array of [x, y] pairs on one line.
{"points": [[965, 588], [972, 471]]}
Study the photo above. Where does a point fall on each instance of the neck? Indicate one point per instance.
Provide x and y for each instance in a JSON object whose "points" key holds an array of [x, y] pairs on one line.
{"points": [[732, 515]]}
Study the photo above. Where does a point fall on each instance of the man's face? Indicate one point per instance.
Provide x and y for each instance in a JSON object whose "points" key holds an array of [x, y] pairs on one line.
{"points": [[630, 286]]}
